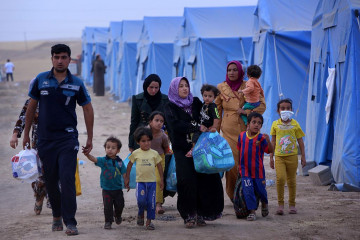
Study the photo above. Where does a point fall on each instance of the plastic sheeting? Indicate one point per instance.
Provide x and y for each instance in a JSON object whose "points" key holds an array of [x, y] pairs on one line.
{"points": [[155, 50], [112, 48], [94, 41], [335, 44], [126, 66], [208, 39], [281, 47]]}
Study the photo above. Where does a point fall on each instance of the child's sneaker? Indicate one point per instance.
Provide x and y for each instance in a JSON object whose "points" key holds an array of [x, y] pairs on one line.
{"points": [[107, 225]]}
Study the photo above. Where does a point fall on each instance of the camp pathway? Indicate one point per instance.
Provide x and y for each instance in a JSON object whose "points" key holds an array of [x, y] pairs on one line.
{"points": [[322, 214]]}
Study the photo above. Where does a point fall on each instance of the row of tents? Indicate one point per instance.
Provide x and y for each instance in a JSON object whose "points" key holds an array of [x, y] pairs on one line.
{"points": [[308, 50]]}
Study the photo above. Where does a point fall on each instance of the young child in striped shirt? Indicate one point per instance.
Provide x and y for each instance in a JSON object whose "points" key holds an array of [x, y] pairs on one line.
{"points": [[252, 145]]}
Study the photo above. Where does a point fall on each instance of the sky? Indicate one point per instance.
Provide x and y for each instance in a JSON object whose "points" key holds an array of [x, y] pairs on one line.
{"points": [[26, 20]]}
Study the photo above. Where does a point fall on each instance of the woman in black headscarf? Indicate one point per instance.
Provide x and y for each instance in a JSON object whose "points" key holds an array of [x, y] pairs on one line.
{"points": [[143, 104]]}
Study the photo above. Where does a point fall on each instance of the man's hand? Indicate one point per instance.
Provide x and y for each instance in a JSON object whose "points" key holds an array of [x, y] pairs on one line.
{"points": [[26, 141], [87, 149]]}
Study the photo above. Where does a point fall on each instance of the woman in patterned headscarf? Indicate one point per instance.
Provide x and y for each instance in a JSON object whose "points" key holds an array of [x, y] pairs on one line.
{"points": [[229, 103], [200, 196]]}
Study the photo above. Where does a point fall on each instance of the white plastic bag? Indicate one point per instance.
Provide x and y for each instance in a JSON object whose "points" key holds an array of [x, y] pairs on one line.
{"points": [[25, 165]]}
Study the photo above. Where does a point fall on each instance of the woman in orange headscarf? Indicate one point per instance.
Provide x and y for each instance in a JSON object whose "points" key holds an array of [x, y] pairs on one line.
{"points": [[229, 103]]}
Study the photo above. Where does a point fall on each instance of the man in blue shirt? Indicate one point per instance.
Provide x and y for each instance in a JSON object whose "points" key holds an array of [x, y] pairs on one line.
{"points": [[57, 92]]}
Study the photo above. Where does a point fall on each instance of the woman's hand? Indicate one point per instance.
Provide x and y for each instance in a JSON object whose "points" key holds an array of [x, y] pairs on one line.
{"points": [[212, 129], [14, 141], [203, 128], [241, 111]]}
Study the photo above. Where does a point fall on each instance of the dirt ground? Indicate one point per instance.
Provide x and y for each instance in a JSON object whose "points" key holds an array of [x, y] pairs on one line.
{"points": [[322, 214]]}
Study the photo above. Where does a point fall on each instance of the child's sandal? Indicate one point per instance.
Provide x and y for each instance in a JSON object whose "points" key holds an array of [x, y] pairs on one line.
{"points": [[280, 210], [150, 226], [292, 210]]}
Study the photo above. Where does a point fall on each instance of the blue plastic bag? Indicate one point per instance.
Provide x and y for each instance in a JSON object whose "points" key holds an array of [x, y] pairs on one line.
{"points": [[171, 180], [212, 154], [132, 182]]}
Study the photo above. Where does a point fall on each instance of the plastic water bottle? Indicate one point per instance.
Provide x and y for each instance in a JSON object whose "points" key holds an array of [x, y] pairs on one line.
{"points": [[269, 182]]}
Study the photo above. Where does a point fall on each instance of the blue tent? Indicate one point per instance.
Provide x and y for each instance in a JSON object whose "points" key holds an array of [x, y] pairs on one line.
{"points": [[155, 49], [208, 39], [86, 56], [333, 136], [281, 47], [126, 60], [112, 49], [94, 41]]}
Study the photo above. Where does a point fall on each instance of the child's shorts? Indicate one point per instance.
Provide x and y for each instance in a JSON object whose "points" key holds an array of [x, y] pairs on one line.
{"points": [[253, 187]]}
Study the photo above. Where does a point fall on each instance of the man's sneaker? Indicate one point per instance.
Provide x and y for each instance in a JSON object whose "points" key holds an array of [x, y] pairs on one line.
{"points": [[118, 220], [107, 225]]}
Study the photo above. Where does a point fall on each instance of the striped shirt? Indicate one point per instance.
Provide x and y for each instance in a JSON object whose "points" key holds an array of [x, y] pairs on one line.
{"points": [[252, 155]]}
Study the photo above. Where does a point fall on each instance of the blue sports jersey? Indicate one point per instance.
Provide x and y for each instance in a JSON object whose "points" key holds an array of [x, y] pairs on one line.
{"points": [[252, 155]]}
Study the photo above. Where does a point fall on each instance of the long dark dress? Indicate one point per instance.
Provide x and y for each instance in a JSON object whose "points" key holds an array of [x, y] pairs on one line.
{"points": [[99, 82], [39, 184], [198, 194]]}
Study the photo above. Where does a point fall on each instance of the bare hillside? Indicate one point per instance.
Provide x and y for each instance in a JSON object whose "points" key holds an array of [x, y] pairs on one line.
{"points": [[32, 57]]}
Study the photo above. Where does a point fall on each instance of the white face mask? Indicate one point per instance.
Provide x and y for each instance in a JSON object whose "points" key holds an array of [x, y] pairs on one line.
{"points": [[286, 115]]}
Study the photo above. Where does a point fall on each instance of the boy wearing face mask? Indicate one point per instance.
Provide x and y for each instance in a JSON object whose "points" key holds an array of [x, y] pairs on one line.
{"points": [[284, 133]]}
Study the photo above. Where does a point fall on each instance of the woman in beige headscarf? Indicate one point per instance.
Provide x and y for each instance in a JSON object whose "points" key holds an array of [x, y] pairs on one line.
{"points": [[229, 103]]}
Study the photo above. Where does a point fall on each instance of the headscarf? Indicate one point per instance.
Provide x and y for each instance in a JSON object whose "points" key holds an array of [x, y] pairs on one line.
{"points": [[154, 101], [235, 85], [184, 103]]}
